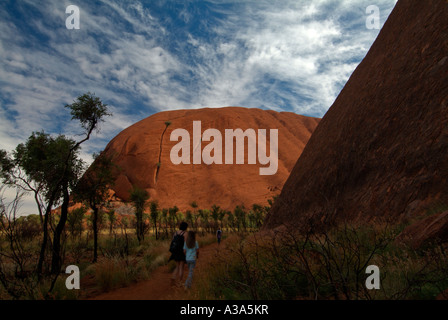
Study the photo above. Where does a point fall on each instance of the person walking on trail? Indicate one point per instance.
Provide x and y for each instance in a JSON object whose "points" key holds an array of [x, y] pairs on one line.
{"points": [[219, 235], [191, 250], [177, 253]]}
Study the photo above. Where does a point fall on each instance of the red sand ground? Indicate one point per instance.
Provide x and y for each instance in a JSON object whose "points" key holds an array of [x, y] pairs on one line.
{"points": [[159, 287]]}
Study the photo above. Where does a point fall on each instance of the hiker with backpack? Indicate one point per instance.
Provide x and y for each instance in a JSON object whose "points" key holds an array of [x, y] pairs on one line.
{"points": [[191, 250], [177, 253]]}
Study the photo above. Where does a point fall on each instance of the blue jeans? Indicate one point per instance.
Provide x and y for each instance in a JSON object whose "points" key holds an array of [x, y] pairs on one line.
{"points": [[191, 264]]}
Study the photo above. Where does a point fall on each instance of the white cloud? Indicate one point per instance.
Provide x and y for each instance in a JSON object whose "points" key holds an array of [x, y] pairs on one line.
{"points": [[288, 42], [284, 55]]}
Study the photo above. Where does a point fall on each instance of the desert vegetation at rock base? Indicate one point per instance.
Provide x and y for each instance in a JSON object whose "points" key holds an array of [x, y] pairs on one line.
{"points": [[365, 186]]}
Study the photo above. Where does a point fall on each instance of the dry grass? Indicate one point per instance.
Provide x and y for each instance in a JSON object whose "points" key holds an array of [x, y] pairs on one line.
{"points": [[327, 266]]}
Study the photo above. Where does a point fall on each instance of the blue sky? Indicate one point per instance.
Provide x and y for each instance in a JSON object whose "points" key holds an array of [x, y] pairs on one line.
{"points": [[142, 57]]}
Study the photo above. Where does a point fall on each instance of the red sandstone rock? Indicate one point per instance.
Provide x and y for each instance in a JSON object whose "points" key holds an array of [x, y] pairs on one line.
{"points": [[431, 229], [382, 148], [137, 149]]}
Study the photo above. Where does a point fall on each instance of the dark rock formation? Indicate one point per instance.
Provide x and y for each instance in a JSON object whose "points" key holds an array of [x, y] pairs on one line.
{"points": [[382, 148]]}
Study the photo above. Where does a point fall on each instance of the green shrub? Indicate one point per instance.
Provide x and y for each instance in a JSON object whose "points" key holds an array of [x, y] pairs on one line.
{"points": [[326, 265]]}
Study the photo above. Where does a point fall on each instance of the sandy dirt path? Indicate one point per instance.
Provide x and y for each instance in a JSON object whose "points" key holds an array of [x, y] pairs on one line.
{"points": [[159, 287]]}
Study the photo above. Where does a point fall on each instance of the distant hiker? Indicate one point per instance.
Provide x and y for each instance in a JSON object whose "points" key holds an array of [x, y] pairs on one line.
{"points": [[191, 250], [219, 235], [177, 253]]}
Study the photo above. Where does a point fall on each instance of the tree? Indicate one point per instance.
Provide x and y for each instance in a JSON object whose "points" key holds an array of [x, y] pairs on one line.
{"points": [[6, 165], [138, 198], [112, 219], [173, 217], [12, 174], [15, 271], [231, 219], [240, 215], [194, 205], [75, 219], [204, 215], [154, 209], [51, 166], [93, 188], [90, 112], [189, 218], [259, 214], [165, 219], [221, 215], [215, 213]]}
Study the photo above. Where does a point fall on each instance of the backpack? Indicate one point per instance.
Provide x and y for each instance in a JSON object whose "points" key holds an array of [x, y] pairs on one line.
{"points": [[177, 243]]}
